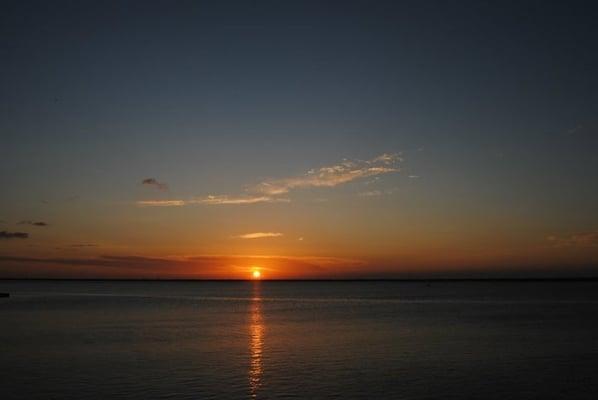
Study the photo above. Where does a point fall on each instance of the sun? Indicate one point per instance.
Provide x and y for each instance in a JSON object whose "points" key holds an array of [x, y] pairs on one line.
{"points": [[256, 274]]}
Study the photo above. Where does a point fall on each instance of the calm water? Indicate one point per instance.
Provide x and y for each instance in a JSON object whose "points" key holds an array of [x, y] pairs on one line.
{"points": [[308, 340]]}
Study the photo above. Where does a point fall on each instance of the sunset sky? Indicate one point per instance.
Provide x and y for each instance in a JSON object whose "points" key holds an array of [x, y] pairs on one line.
{"points": [[353, 139]]}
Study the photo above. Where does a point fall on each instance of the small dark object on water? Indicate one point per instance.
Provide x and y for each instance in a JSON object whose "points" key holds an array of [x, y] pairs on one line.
{"points": [[4, 294]]}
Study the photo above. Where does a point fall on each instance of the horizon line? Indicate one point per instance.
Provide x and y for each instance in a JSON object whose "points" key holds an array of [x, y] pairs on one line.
{"points": [[525, 279]]}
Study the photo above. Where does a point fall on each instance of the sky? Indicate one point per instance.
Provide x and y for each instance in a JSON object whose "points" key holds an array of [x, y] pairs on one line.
{"points": [[307, 140]]}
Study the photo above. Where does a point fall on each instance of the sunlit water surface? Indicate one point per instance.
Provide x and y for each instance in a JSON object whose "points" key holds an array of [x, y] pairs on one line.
{"points": [[307, 340]]}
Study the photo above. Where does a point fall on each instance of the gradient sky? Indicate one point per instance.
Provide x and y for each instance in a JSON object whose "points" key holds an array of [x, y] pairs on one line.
{"points": [[353, 139]]}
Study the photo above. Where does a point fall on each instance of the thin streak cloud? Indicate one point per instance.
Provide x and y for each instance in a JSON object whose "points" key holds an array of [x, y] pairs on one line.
{"points": [[377, 193], [213, 200], [371, 193], [34, 223], [13, 235], [576, 240], [259, 235], [162, 203], [223, 199]]}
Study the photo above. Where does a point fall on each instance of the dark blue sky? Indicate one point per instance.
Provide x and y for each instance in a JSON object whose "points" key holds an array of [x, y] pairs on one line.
{"points": [[494, 106]]}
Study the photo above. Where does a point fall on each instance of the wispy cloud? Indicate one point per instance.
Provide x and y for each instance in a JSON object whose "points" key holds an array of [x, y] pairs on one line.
{"points": [[162, 203], [259, 235], [154, 182], [13, 235], [224, 199], [33, 223], [576, 240], [213, 200], [272, 190], [330, 176], [376, 193], [371, 193]]}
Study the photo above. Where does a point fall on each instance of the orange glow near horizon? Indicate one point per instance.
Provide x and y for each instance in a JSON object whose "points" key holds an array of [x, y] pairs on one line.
{"points": [[409, 263]]}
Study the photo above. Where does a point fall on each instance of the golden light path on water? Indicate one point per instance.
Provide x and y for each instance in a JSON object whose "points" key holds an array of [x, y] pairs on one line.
{"points": [[256, 344]]}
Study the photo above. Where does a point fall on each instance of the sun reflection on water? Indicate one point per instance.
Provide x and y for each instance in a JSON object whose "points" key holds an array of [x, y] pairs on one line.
{"points": [[256, 344]]}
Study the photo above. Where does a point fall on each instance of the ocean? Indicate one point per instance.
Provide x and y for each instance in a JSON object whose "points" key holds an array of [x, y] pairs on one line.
{"points": [[304, 340]]}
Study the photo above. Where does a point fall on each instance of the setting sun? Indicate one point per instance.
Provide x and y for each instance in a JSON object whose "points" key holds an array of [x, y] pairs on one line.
{"points": [[256, 274]]}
